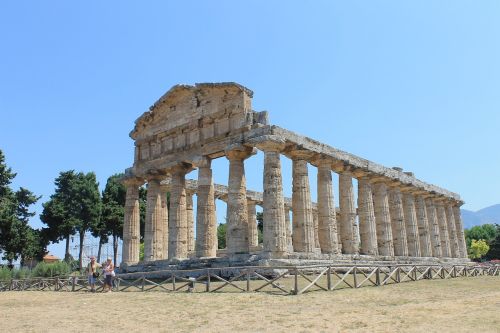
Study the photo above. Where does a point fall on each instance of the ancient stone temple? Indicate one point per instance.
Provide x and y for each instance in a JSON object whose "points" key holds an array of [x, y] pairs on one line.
{"points": [[396, 216]]}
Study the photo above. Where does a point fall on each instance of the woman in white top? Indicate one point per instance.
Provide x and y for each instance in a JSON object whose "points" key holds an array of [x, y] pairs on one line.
{"points": [[109, 272]]}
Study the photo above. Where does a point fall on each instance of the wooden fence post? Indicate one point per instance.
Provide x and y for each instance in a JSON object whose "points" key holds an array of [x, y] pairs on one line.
{"points": [[208, 281], [248, 279], [355, 277], [296, 282], [329, 278]]}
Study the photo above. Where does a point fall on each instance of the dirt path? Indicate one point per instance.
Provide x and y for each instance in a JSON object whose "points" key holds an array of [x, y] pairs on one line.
{"points": [[457, 305]]}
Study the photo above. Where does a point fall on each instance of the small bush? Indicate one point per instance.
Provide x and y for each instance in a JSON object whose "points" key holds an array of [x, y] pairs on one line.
{"points": [[5, 274], [59, 268], [21, 273]]}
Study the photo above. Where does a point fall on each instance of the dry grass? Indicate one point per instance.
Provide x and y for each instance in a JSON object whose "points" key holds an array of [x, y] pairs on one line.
{"points": [[454, 305]]}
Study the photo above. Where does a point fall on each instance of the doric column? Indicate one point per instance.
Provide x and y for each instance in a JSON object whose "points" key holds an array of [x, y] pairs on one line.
{"points": [[452, 230], [237, 210], [275, 228], [253, 236], [131, 223], [316, 231], [433, 227], [460, 229], [327, 219], [423, 227], [178, 233], [164, 218], [303, 223], [190, 221], [411, 225], [289, 228], [366, 213], [398, 222], [443, 228], [153, 229], [348, 227], [383, 220], [206, 222]]}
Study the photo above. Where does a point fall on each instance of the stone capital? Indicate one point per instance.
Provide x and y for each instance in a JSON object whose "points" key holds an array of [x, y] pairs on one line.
{"points": [[301, 154], [202, 162], [379, 179], [358, 173], [268, 143], [132, 181], [239, 152], [341, 167], [181, 168]]}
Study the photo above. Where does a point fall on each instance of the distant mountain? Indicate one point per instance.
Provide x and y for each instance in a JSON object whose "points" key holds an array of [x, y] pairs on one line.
{"points": [[489, 214]]}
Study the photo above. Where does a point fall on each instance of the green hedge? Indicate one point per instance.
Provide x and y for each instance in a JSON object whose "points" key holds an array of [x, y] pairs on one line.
{"points": [[53, 269], [42, 269]]}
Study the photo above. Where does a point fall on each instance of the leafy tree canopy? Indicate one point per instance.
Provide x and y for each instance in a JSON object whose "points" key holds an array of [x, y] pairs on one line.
{"points": [[478, 248], [17, 237]]}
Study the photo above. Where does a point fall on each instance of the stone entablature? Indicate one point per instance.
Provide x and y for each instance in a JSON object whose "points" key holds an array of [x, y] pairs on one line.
{"points": [[395, 215]]}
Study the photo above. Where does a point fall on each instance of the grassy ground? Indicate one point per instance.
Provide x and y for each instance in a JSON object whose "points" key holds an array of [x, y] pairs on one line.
{"points": [[452, 305]]}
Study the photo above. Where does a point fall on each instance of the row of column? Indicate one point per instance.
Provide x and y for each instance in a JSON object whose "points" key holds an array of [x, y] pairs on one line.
{"points": [[390, 220]]}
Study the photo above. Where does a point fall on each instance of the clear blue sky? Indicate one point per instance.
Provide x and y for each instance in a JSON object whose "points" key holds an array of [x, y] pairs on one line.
{"points": [[414, 84]]}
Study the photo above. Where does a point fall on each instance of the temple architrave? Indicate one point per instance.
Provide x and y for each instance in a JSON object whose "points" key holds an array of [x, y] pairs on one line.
{"points": [[396, 216]]}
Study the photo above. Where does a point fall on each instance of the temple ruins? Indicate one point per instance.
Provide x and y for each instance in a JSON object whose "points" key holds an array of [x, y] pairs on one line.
{"points": [[396, 216]]}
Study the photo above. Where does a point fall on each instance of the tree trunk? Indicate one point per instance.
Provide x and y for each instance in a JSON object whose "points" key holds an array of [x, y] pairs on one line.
{"points": [[115, 248], [66, 253], [80, 255], [99, 250]]}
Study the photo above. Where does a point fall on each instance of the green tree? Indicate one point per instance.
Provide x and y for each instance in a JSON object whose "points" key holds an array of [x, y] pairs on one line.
{"points": [[56, 213], [478, 248], [221, 236], [113, 210], [260, 227], [17, 238], [484, 231], [494, 252], [74, 207]]}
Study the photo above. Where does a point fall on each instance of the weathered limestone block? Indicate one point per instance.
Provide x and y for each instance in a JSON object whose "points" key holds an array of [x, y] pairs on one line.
{"points": [[190, 221], [366, 212], [348, 226], [206, 222], [237, 210], [253, 236], [164, 218], [131, 224], [460, 231], [398, 222], [423, 227], [411, 225], [327, 220], [383, 220], [434, 228], [452, 231], [443, 229], [178, 233], [303, 223], [275, 229], [153, 229]]}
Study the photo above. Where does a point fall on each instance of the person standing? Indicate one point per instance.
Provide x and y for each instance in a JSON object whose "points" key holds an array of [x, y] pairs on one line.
{"points": [[109, 273], [93, 273]]}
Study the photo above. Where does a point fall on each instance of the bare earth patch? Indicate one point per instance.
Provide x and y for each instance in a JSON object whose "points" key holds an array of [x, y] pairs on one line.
{"points": [[453, 305]]}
